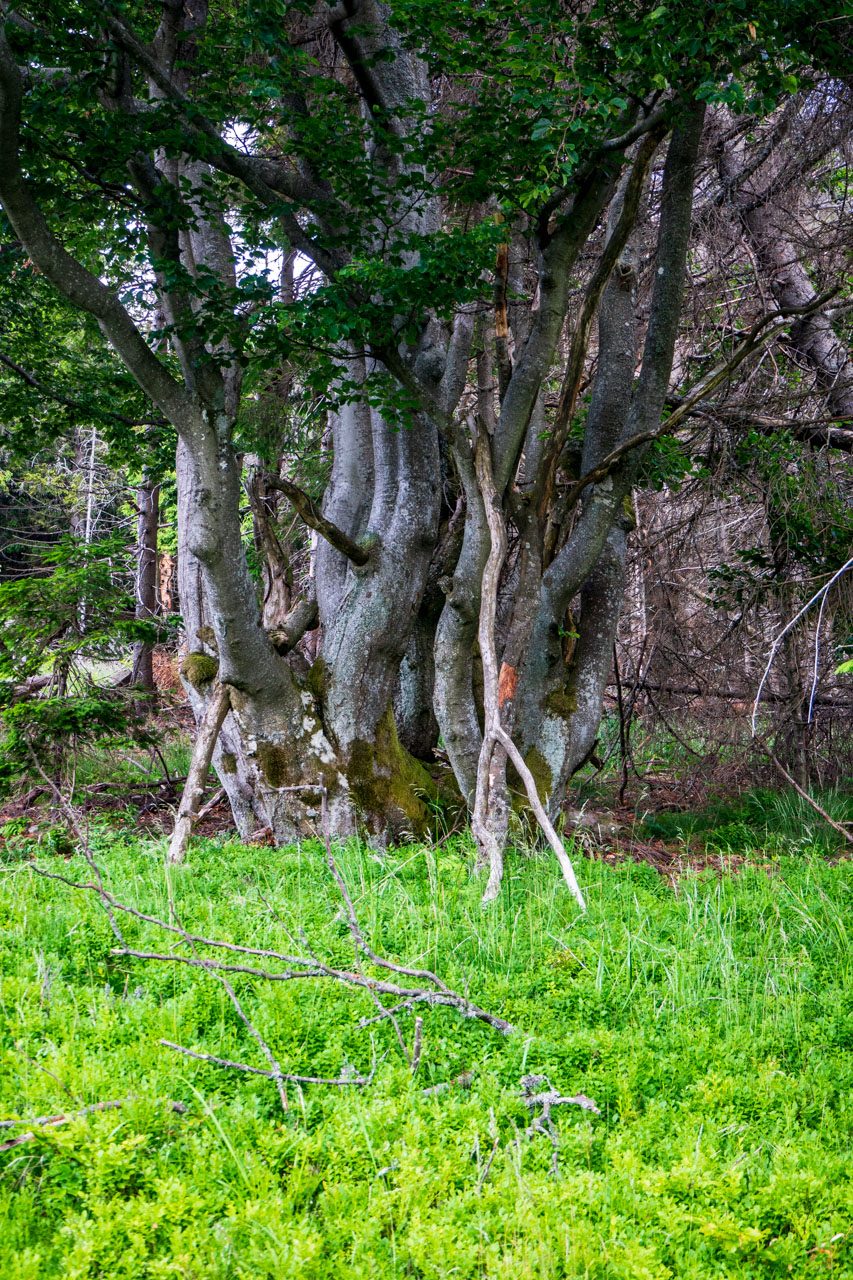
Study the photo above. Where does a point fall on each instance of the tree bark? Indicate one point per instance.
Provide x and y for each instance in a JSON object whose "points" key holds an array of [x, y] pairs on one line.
{"points": [[147, 526]]}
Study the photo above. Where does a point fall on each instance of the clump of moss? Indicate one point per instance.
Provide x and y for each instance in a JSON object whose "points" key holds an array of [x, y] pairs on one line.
{"points": [[563, 702], [277, 765], [317, 679], [228, 762], [199, 669], [392, 788], [541, 770]]}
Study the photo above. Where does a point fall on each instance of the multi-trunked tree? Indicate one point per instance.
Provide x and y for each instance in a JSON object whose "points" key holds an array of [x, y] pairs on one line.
{"points": [[474, 188]]}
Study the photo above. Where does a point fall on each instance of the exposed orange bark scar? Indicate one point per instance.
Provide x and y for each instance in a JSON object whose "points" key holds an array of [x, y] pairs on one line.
{"points": [[507, 683]]}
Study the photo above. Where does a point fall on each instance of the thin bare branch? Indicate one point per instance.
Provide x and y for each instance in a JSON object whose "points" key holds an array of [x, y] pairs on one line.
{"points": [[758, 337], [836, 826], [273, 1074], [208, 731], [494, 732]]}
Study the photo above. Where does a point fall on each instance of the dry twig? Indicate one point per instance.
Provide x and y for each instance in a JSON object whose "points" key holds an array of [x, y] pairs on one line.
{"points": [[50, 1122], [538, 1091], [432, 990]]}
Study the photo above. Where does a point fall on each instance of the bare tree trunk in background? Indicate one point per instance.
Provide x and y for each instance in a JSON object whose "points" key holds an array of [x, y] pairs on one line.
{"points": [[147, 527], [769, 210]]}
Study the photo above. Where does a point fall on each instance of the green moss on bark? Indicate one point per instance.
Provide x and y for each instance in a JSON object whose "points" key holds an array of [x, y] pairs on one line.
{"points": [[390, 787], [228, 762], [541, 770], [277, 765], [199, 669], [563, 702], [317, 680]]}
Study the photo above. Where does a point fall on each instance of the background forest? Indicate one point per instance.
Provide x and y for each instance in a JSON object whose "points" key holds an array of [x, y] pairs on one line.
{"points": [[424, 440]]}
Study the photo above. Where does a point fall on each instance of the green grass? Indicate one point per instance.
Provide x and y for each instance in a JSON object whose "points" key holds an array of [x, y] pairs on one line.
{"points": [[134, 765], [713, 1026], [781, 822]]}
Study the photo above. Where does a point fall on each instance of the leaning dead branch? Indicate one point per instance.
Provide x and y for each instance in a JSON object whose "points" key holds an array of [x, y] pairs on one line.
{"points": [[208, 732], [495, 737], [801, 791]]}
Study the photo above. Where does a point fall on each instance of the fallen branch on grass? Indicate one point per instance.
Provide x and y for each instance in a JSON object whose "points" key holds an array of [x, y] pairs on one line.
{"points": [[427, 988], [313, 968], [345, 1078], [50, 1122], [62, 1117], [537, 1091], [303, 966]]}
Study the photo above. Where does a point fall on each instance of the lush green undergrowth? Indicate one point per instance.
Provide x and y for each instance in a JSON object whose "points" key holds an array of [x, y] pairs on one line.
{"points": [[780, 822], [712, 1025]]}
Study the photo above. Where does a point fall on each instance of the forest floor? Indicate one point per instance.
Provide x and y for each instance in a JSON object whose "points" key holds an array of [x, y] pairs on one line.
{"points": [[704, 1004]]}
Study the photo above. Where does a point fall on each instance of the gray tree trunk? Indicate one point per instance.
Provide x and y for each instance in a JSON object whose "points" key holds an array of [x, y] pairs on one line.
{"points": [[145, 590]]}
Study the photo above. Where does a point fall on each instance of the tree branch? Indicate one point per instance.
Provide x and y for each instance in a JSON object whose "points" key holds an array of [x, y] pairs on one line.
{"points": [[836, 826], [85, 410], [266, 179], [63, 271], [755, 340], [278, 1076], [657, 120], [307, 508], [580, 339]]}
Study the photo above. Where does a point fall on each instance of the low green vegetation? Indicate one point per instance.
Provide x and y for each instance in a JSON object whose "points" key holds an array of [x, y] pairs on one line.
{"points": [[779, 822], [712, 1024]]}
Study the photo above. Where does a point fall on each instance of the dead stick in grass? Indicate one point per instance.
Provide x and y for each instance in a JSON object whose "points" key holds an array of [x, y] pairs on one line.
{"points": [[208, 732], [211, 804], [272, 1075], [51, 1122], [305, 966], [63, 1116]]}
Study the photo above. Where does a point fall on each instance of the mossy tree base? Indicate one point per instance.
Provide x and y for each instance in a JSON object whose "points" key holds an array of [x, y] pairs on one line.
{"points": [[394, 794]]}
